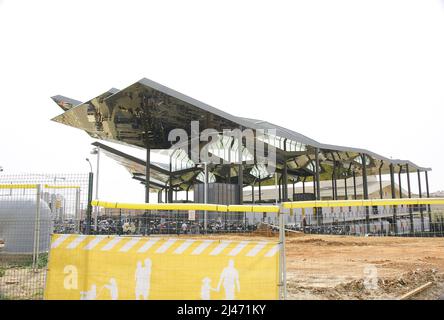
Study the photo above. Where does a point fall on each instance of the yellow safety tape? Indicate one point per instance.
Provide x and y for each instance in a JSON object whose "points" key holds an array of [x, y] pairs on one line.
{"points": [[61, 187], [363, 203], [18, 186], [184, 206], [265, 208], [34, 186]]}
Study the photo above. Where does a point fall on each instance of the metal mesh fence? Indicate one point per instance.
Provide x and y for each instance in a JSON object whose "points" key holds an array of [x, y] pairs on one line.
{"points": [[401, 220], [376, 252], [181, 222], [32, 207], [331, 252]]}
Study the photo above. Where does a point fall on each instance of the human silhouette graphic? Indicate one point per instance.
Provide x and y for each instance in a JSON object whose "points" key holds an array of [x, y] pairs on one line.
{"points": [[229, 278], [112, 287], [205, 290], [90, 294], [143, 279]]}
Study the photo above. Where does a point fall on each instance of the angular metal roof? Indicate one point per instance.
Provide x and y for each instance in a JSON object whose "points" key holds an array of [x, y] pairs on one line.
{"points": [[123, 116]]}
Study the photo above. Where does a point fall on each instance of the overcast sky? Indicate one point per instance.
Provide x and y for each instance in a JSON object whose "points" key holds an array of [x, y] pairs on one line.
{"points": [[366, 74]]}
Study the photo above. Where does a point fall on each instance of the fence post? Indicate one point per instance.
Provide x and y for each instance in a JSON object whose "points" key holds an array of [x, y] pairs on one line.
{"points": [[36, 248], [89, 206], [282, 262], [77, 214]]}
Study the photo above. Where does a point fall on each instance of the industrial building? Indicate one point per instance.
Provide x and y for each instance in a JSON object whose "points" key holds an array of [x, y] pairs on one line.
{"points": [[144, 114]]}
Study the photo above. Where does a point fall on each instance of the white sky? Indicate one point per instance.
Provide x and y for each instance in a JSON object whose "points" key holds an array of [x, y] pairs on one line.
{"points": [[366, 74]]}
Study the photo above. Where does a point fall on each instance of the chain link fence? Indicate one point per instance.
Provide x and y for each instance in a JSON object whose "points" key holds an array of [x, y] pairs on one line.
{"points": [[181, 222], [32, 207], [401, 220]]}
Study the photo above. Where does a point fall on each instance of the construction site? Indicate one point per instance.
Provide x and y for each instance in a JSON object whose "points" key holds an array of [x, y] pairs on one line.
{"points": [[297, 218]]}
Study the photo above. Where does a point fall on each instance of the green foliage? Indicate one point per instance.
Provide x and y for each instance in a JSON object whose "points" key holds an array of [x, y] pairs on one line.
{"points": [[3, 297], [42, 262]]}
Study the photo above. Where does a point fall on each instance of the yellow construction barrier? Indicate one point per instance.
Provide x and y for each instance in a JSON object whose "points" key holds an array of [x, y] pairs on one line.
{"points": [[47, 186], [185, 206], [18, 186], [34, 186], [362, 203], [139, 268]]}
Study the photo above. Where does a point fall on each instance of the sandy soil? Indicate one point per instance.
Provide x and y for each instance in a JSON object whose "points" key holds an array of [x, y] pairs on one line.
{"points": [[338, 267], [22, 283]]}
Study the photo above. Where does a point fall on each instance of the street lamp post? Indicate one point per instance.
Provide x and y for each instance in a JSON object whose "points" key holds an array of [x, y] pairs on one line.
{"points": [[205, 193], [96, 151], [89, 206], [90, 166]]}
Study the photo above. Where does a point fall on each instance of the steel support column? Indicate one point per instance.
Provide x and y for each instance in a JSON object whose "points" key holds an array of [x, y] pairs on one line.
{"points": [[429, 211], [314, 186], [159, 196], [285, 182], [170, 182], [354, 185], [333, 193], [89, 205], [260, 191], [147, 174], [399, 181], [420, 206], [392, 185], [365, 189], [147, 184], [303, 185], [252, 193], [381, 193], [409, 194], [241, 171], [318, 186]]}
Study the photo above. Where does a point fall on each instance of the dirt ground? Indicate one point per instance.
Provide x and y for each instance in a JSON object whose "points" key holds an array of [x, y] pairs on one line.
{"points": [[22, 284], [322, 267], [341, 267]]}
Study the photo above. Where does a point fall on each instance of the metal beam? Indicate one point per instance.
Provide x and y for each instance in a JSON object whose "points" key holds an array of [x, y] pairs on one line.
{"points": [[399, 181], [381, 193], [333, 181], [354, 184], [260, 191], [285, 182], [318, 187], [318, 180], [392, 185], [147, 174], [252, 193], [303, 184], [420, 206], [429, 211], [365, 187], [409, 194], [240, 170]]}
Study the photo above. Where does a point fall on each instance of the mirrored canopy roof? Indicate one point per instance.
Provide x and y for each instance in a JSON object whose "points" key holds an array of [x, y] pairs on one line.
{"points": [[145, 112]]}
